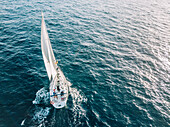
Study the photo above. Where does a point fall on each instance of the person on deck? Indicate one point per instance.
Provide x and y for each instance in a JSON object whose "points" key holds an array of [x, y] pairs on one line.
{"points": [[58, 88], [54, 94], [62, 93]]}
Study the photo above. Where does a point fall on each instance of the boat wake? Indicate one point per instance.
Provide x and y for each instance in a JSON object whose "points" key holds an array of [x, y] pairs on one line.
{"points": [[42, 114], [42, 97], [78, 111], [39, 110]]}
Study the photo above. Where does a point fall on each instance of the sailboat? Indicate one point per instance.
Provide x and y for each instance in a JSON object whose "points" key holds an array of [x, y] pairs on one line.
{"points": [[58, 84]]}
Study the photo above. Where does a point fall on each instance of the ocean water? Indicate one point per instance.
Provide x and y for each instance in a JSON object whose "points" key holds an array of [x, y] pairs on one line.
{"points": [[116, 54]]}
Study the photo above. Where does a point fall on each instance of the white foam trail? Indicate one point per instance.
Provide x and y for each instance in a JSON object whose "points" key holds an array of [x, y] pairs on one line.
{"points": [[42, 97], [78, 99], [41, 115], [22, 123], [37, 117]]}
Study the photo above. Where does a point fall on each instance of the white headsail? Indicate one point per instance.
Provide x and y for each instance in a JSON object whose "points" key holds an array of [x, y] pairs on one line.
{"points": [[47, 52]]}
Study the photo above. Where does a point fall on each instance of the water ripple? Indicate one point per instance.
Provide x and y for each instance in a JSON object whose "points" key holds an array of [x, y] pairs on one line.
{"points": [[116, 54]]}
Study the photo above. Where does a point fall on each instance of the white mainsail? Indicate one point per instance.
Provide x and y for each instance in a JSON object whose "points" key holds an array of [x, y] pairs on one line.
{"points": [[47, 52]]}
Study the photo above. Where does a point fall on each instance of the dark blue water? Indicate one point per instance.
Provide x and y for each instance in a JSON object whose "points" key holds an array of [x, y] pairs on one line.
{"points": [[116, 54]]}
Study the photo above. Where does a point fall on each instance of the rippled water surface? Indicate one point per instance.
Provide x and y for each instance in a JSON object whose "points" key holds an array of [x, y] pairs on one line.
{"points": [[116, 54]]}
